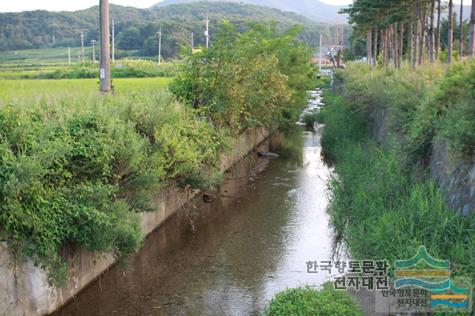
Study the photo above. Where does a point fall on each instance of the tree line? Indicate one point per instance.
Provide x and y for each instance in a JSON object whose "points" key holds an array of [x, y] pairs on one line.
{"points": [[136, 29], [411, 30]]}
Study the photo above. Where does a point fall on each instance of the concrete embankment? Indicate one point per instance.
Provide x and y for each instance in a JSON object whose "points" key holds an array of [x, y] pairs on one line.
{"points": [[25, 289]]}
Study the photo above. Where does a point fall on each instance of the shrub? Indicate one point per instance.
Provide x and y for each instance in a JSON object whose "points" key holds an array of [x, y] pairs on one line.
{"points": [[257, 78], [78, 173], [307, 301]]}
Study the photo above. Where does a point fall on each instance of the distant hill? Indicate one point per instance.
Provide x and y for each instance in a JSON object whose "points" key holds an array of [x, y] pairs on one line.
{"points": [[136, 29], [312, 9]]}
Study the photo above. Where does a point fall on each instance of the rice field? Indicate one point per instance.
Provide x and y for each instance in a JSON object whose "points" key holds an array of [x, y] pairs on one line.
{"points": [[27, 91]]}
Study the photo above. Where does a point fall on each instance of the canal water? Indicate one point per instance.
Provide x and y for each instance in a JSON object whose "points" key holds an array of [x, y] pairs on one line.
{"points": [[231, 256]]}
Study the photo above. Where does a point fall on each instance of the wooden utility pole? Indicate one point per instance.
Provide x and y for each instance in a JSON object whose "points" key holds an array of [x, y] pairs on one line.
{"points": [[160, 47], [82, 46], [113, 40], [461, 31], [450, 37], [105, 71]]}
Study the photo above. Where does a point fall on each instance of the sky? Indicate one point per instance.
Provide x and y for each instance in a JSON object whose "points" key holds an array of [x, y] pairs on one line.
{"points": [[66, 5]]}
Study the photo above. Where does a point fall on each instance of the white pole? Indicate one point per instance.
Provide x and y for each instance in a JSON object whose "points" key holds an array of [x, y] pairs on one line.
{"points": [[82, 46], [113, 40], [93, 51], [192, 41], [207, 31], [105, 54], [69, 55], [160, 46]]}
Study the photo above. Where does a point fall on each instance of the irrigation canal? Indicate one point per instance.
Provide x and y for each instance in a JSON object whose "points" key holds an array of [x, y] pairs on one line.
{"points": [[230, 257]]}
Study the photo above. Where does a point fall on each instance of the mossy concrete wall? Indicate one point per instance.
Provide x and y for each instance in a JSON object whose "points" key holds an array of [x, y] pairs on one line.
{"points": [[25, 289], [455, 177]]}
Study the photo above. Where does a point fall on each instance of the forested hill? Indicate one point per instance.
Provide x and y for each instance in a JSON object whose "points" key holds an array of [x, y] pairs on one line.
{"points": [[311, 9], [136, 29]]}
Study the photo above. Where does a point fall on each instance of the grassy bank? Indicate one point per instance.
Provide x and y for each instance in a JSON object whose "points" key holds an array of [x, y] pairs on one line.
{"points": [[384, 205]]}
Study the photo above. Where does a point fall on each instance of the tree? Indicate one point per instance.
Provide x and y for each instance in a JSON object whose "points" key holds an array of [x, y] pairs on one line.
{"points": [[461, 30], [130, 39], [438, 42], [431, 32], [472, 32], [450, 35]]}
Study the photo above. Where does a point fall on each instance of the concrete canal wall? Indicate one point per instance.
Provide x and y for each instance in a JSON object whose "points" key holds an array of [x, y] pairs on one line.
{"points": [[24, 288]]}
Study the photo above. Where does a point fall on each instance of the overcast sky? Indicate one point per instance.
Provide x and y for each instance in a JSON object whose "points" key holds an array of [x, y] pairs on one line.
{"points": [[67, 5]]}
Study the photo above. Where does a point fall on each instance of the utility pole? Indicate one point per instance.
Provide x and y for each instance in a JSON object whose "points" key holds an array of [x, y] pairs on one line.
{"points": [[93, 42], [160, 46], [113, 40], [207, 31], [320, 55], [192, 41], [82, 46], [69, 55], [105, 71]]}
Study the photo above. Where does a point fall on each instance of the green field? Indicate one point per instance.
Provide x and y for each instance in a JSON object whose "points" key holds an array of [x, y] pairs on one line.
{"points": [[52, 63], [16, 91], [44, 55]]}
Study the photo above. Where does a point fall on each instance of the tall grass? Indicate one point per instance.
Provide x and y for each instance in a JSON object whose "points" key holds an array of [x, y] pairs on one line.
{"points": [[432, 103], [377, 207]]}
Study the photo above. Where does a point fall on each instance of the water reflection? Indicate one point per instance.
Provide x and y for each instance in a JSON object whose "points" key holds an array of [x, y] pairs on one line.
{"points": [[231, 256]]}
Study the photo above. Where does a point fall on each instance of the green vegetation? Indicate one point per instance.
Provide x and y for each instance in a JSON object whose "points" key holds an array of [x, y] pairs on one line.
{"points": [[311, 118], [251, 79], [384, 205], [307, 301], [395, 23], [77, 167], [124, 68], [77, 172], [24, 93], [136, 29]]}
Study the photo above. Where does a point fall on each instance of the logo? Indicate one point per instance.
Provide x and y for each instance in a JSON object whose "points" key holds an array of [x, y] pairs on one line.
{"points": [[434, 275]]}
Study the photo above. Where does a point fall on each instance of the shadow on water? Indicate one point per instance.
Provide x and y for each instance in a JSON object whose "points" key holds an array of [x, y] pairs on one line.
{"points": [[231, 256]]}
